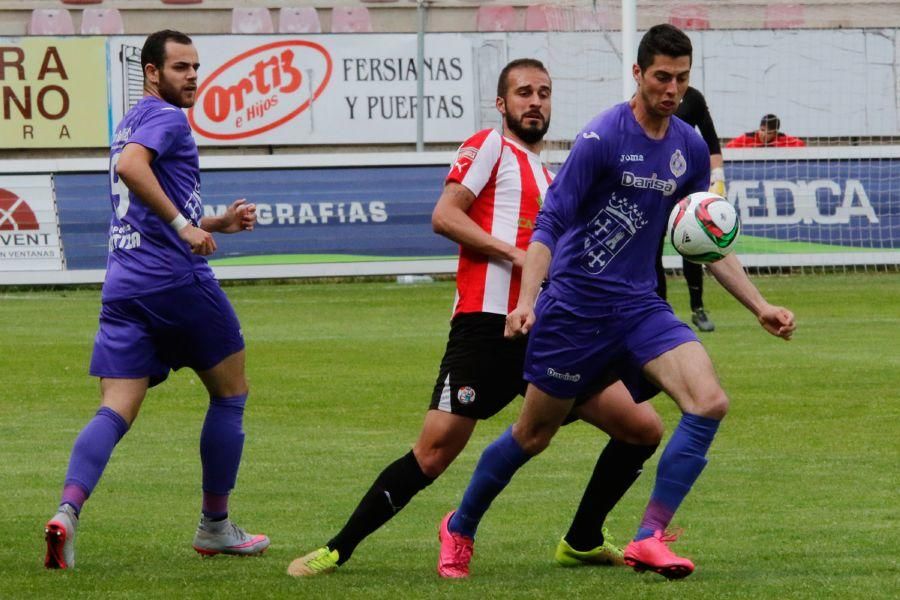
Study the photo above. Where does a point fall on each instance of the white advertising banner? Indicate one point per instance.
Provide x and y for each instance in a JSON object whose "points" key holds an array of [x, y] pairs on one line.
{"points": [[29, 228], [322, 89]]}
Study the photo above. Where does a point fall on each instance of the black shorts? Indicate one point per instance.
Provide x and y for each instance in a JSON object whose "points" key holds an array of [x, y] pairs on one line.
{"points": [[481, 371]]}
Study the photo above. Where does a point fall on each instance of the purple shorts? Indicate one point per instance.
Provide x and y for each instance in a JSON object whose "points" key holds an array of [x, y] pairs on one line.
{"points": [[569, 354], [190, 326]]}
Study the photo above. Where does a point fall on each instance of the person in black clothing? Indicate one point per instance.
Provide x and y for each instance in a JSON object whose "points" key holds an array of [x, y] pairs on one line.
{"points": [[694, 111]]}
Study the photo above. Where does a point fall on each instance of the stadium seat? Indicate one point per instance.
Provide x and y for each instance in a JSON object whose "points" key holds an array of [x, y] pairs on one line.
{"points": [[299, 19], [82, 1], [102, 21], [542, 17], [546, 17], [182, 1], [347, 19], [689, 16], [51, 21], [496, 18], [784, 16], [252, 19]]}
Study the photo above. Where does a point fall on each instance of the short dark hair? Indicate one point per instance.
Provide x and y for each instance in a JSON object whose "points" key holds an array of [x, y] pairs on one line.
{"points": [[519, 63], [154, 50], [663, 39], [770, 122]]}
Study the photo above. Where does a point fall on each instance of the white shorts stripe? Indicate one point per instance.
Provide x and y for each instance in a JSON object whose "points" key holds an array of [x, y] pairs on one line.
{"points": [[444, 404]]}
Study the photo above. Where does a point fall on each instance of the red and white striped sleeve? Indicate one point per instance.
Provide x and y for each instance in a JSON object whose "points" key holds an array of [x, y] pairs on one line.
{"points": [[475, 160]]}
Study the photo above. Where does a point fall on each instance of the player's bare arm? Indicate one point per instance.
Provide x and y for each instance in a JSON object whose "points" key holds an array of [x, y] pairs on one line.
{"points": [[777, 320], [537, 264], [239, 216], [134, 169], [450, 219]]}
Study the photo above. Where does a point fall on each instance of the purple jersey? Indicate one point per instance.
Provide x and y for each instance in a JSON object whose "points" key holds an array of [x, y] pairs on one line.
{"points": [[145, 254], [609, 205]]}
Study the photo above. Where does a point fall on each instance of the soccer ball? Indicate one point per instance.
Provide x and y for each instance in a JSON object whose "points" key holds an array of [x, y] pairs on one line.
{"points": [[704, 227]]}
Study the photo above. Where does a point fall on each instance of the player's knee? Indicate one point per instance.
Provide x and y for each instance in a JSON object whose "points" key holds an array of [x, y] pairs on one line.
{"points": [[651, 431], [713, 405], [532, 440], [433, 461]]}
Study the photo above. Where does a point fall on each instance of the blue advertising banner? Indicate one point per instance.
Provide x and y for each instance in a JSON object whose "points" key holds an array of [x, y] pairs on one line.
{"points": [[382, 212], [310, 215], [850, 203]]}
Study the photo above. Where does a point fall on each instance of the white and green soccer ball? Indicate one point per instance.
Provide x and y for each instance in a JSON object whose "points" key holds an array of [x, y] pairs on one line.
{"points": [[704, 227]]}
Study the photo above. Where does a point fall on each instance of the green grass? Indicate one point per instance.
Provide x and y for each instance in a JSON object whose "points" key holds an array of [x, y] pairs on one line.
{"points": [[749, 244], [746, 245], [303, 259], [799, 499]]}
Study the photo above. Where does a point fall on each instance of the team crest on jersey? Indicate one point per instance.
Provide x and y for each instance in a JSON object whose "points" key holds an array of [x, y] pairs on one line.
{"points": [[677, 164], [609, 232], [465, 395]]}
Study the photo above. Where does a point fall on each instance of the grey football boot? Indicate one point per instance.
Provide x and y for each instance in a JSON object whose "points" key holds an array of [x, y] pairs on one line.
{"points": [[224, 537], [60, 535]]}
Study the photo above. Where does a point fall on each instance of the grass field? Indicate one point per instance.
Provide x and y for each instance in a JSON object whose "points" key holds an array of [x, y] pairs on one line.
{"points": [[800, 499], [747, 244]]}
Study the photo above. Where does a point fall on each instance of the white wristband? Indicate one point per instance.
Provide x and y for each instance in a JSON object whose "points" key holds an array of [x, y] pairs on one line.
{"points": [[717, 174], [179, 222]]}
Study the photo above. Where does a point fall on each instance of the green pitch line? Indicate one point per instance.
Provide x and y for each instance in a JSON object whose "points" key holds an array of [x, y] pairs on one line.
{"points": [[746, 245], [300, 259], [749, 244]]}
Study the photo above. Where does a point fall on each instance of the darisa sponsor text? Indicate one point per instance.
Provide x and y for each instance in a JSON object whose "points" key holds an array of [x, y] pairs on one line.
{"points": [[573, 377], [667, 187]]}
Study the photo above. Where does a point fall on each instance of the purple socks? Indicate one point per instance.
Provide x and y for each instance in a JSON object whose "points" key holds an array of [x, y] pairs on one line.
{"points": [[498, 463], [92, 449], [679, 467], [221, 445]]}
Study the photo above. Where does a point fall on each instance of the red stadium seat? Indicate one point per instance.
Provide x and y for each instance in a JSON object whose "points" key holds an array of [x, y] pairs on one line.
{"points": [[82, 1], [346, 19], [51, 21], [546, 17], [182, 1], [592, 20], [102, 21], [496, 18], [689, 16], [253, 19], [784, 16], [542, 17], [299, 19]]}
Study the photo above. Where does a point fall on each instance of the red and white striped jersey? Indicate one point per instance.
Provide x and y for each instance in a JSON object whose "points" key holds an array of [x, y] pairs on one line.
{"points": [[509, 183]]}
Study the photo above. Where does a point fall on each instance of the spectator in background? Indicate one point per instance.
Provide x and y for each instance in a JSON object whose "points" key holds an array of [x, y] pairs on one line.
{"points": [[766, 135]]}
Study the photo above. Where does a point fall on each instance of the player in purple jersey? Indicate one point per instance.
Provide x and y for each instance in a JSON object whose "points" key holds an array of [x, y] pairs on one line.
{"points": [[599, 316], [162, 308]]}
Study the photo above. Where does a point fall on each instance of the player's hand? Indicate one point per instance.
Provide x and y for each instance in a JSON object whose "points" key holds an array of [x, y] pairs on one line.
{"points": [[519, 322], [717, 182], [778, 321], [518, 257], [200, 241], [240, 216]]}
